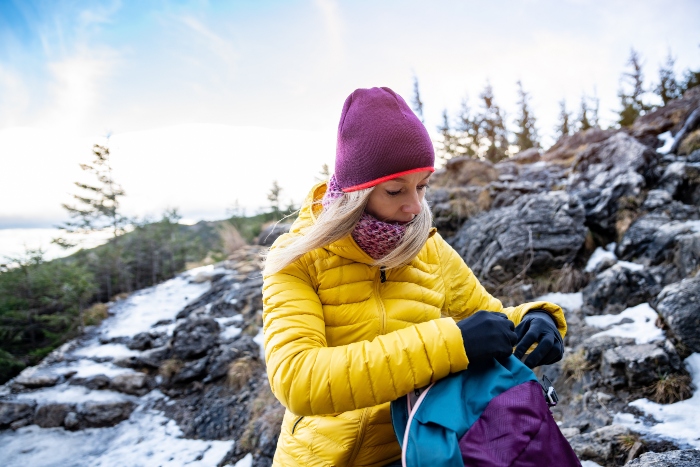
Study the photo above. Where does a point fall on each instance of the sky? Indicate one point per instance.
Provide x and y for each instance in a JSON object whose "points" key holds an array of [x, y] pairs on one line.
{"points": [[205, 103]]}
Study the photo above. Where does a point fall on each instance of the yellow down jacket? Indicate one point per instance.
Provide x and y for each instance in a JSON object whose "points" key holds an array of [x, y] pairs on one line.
{"points": [[340, 344]]}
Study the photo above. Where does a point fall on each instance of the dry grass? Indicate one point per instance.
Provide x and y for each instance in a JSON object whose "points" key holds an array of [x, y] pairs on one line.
{"points": [[240, 372], [95, 314], [670, 388], [690, 143], [266, 415], [568, 279], [627, 441], [484, 200], [231, 239], [170, 368], [575, 365]]}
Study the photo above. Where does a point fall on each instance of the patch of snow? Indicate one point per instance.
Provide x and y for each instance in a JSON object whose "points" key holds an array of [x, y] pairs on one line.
{"points": [[247, 461], [230, 332], [589, 464], [143, 309], [68, 394], [106, 350], [260, 340], [88, 368], [229, 320], [146, 439], [569, 301], [643, 328], [630, 266], [679, 421], [598, 256], [668, 140]]}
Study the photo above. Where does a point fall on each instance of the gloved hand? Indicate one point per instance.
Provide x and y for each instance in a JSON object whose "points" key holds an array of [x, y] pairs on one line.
{"points": [[487, 334], [539, 326]]}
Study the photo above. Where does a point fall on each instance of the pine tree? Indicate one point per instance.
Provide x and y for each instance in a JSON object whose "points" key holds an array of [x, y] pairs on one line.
{"points": [[668, 87], [690, 80], [275, 198], [446, 147], [417, 102], [526, 133], [563, 127], [324, 174], [583, 122], [98, 208], [632, 91], [467, 131], [492, 133], [595, 122]]}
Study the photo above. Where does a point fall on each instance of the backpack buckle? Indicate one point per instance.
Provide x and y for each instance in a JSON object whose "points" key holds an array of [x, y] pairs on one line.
{"points": [[550, 394]]}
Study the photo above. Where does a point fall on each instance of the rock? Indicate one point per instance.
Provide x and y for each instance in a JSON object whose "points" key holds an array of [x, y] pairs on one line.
{"points": [[686, 458], [679, 306], [270, 233], [131, 383], [565, 151], [227, 353], [34, 378], [52, 415], [147, 340], [682, 181], [103, 414], [600, 445], [92, 382], [154, 357], [609, 177], [451, 207], [71, 422], [595, 346], [670, 117], [463, 171], [190, 371], [194, 337], [527, 156], [656, 199], [12, 411], [636, 366], [538, 232], [618, 288]]}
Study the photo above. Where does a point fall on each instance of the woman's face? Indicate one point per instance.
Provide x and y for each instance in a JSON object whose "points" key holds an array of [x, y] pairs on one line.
{"points": [[399, 200]]}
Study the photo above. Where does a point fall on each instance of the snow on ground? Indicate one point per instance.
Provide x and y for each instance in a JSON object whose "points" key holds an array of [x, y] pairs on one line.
{"points": [[569, 301], [668, 140], [247, 461], [642, 328], [260, 340], [598, 256], [589, 464], [66, 394], [146, 439], [679, 422], [143, 309]]}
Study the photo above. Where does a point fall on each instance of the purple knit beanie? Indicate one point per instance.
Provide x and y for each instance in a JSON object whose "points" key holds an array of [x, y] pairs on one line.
{"points": [[379, 138]]}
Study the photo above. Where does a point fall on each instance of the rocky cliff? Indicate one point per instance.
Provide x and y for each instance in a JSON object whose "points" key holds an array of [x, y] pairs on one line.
{"points": [[606, 223]]}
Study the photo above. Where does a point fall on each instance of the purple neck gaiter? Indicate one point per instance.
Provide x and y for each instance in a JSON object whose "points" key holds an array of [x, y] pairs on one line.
{"points": [[375, 237]]}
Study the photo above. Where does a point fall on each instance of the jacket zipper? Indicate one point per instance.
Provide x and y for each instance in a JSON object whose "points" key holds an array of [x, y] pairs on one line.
{"points": [[361, 438], [382, 310], [294, 427]]}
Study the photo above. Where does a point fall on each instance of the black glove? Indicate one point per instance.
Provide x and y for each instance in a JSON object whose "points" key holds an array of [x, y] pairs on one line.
{"points": [[539, 326], [486, 335]]}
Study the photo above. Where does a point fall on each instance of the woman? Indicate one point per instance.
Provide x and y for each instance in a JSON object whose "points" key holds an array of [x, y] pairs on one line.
{"points": [[365, 302]]}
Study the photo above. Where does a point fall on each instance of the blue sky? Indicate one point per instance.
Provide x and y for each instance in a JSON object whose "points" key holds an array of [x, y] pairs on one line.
{"points": [[195, 93]]}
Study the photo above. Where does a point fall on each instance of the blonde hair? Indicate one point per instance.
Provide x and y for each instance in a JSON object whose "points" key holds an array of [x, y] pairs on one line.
{"points": [[337, 221]]}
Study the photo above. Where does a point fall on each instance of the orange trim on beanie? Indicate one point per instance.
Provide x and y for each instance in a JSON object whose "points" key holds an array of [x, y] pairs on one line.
{"points": [[377, 181]]}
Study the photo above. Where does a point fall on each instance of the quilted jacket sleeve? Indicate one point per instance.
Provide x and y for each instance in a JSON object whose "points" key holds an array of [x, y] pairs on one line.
{"points": [[465, 295], [310, 378]]}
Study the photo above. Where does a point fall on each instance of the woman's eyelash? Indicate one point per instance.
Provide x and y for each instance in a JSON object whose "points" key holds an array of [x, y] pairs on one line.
{"points": [[423, 187], [393, 193]]}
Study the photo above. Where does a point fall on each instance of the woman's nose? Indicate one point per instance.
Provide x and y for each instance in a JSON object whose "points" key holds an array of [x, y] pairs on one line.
{"points": [[412, 207]]}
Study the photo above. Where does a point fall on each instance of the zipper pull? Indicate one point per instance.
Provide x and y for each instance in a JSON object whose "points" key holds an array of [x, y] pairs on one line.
{"points": [[382, 274]]}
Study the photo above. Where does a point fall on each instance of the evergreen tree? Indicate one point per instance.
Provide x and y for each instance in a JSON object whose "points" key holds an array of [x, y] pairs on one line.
{"points": [[595, 122], [417, 102], [324, 174], [467, 131], [526, 133], [446, 147], [632, 91], [492, 134], [563, 127], [690, 80], [583, 122], [97, 208], [668, 87], [275, 198]]}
